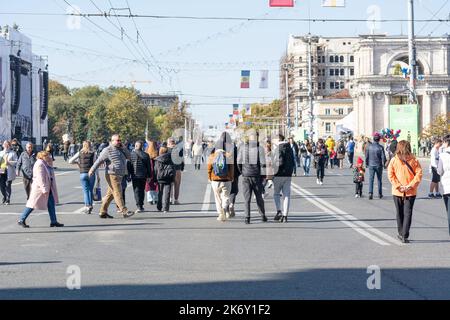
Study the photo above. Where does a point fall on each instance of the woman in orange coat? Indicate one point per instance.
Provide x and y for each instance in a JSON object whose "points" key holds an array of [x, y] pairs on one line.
{"points": [[405, 175]]}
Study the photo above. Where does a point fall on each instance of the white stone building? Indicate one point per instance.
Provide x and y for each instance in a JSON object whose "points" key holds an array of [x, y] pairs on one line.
{"points": [[368, 67]]}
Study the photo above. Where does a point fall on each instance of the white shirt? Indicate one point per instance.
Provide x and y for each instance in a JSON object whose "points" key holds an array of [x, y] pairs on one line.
{"points": [[444, 170], [434, 157]]}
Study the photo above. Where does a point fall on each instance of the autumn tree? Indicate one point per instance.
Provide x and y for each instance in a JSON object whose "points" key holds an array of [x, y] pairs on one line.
{"points": [[438, 128]]}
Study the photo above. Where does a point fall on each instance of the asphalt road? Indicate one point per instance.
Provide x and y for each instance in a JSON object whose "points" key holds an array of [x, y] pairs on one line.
{"points": [[322, 253]]}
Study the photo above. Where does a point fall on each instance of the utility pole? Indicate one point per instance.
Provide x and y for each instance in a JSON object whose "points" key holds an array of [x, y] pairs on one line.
{"points": [[412, 53], [286, 68], [310, 89]]}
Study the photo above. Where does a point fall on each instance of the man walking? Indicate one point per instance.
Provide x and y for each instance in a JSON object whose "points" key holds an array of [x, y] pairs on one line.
{"points": [[375, 161], [25, 166], [115, 158], [141, 171], [176, 152], [295, 150], [283, 165], [251, 160]]}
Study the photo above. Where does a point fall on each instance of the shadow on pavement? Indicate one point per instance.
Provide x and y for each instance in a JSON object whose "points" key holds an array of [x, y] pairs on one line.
{"points": [[27, 262], [313, 284]]}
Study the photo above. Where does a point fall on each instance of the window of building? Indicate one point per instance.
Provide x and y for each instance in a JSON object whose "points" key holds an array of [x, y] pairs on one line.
{"points": [[352, 72], [327, 112], [300, 73], [336, 59], [341, 85], [331, 72], [300, 59], [352, 58], [312, 72], [341, 59], [331, 59], [324, 85], [336, 72], [342, 72], [300, 99], [300, 86], [327, 127], [331, 85], [340, 111]]}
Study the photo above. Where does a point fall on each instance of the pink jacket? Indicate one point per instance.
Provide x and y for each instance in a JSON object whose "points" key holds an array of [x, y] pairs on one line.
{"points": [[41, 186]]}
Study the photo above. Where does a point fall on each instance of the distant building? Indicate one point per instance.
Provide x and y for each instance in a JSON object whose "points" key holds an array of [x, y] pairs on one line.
{"points": [[157, 100], [23, 88], [370, 68]]}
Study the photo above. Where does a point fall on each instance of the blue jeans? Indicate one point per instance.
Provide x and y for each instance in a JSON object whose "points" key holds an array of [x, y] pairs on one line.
{"points": [[88, 188], [50, 206], [379, 172], [306, 161]]}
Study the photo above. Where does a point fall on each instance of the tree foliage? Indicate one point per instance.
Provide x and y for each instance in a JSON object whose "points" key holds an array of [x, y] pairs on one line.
{"points": [[438, 128]]}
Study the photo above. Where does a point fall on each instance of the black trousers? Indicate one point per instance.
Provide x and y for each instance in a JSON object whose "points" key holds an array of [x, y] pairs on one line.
{"points": [[253, 185], [5, 187], [404, 208], [234, 190], [321, 169], [164, 196], [351, 156], [27, 185], [139, 191], [358, 188]]}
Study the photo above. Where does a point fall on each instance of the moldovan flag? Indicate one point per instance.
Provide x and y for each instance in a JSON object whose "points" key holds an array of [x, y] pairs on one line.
{"points": [[245, 79], [281, 3], [333, 3], [235, 109], [264, 83]]}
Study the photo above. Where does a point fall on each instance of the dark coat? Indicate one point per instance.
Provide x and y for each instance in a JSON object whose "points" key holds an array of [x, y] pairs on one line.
{"points": [[165, 169]]}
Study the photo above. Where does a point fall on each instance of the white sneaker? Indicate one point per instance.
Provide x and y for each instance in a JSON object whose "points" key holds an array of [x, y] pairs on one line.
{"points": [[221, 217], [321, 183], [318, 181], [356, 195], [227, 215]]}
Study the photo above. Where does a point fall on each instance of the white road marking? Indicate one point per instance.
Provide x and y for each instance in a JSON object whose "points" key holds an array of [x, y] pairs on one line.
{"points": [[206, 199], [348, 219]]}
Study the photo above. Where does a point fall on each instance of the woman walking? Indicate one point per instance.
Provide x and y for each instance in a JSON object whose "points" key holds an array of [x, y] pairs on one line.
{"points": [[320, 155], [165, 174], [151, 186], [444, 171], [85, 159], [197, 152], [44, 194], [306, 157], [405, 175], [8, 160]]}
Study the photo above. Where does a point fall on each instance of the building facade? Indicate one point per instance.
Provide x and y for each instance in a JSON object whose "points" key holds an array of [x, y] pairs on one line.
{"points": [[369, 67], [24, 90]]}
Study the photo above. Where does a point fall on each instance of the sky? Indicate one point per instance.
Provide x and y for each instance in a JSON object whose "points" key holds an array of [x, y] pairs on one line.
{"points": [[200, 60]]}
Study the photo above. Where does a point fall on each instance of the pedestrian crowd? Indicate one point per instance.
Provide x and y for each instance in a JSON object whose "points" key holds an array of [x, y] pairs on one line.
{"points": [[155, 172]]}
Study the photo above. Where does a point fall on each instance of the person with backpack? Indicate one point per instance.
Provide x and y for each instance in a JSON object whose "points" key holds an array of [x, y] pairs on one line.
{"points": [[235, 183], [405, 175], [341, 154], [284, 164], [251, 163], [165, 174], [140, 173], [221, 175], [444, 172]]}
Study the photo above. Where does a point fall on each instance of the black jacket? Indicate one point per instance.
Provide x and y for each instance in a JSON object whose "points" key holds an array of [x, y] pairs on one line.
{"points": [[26, 163], [140, 162], [283, 162], [375, 156], [251, 160], [165, 169]]}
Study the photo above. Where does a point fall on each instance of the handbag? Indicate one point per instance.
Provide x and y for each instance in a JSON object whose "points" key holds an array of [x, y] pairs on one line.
{"points": [[3, 165], [97, 191]]}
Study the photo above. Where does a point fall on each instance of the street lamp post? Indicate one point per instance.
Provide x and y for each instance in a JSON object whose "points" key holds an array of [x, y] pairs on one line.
{"points": [[287, 67]]}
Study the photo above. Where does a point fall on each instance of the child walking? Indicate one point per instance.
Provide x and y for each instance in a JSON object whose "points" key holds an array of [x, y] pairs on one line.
{"points": [[358, 177]]}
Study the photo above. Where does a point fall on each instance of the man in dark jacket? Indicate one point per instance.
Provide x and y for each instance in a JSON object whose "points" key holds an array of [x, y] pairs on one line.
{"points": [[165, 174], [283, 166], [140, 162], [251, 163], [375, 161], [295, 150], [25, 166]]}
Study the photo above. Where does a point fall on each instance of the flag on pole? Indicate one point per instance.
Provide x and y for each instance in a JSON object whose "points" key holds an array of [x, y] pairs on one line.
{"points": [[245, 79], [264, 83], [235, 109], [281, 3], [248, 109], [333, 3]]}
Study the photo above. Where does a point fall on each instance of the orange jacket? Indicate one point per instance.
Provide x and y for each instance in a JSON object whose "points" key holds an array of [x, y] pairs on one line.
{"points": [[230, 169], [399, 175]]}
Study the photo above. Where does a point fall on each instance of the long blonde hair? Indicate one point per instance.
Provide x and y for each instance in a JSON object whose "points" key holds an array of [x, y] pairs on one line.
{"points": [[86, 147], [403, 150]]}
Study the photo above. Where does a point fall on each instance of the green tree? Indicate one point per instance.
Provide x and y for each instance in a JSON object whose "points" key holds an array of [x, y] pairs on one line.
{"points": [[174, 120], [438, 128], [126, 115]]}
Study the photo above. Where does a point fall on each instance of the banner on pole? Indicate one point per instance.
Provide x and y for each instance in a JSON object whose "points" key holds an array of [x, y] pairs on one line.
{"points": [[248, 109], [245, 79], [235, 109], [264, 82], [333, 3], [281, 3]]}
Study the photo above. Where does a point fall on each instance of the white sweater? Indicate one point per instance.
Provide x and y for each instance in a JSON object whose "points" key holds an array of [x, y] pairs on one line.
{"points": [[444, 170]]}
